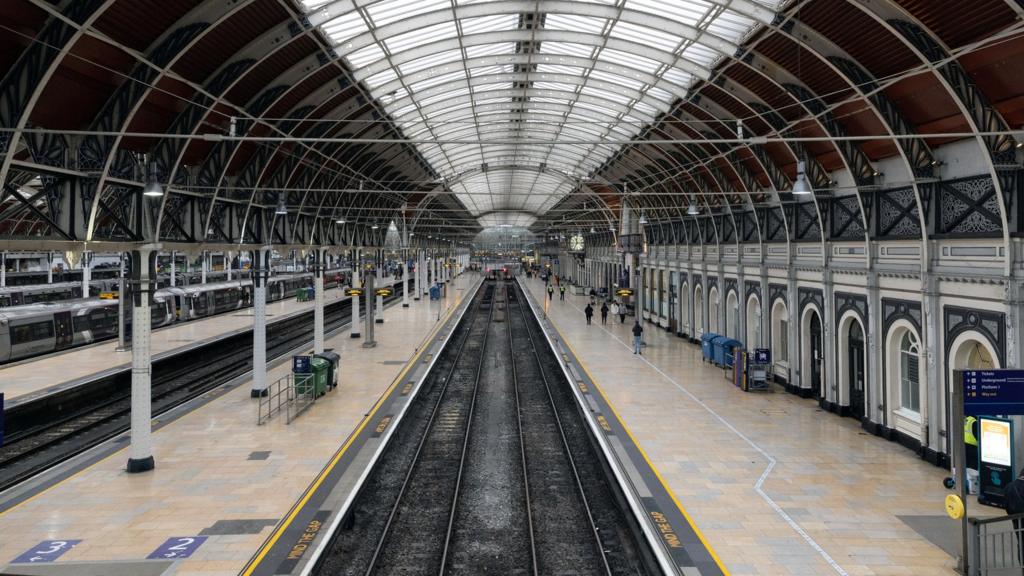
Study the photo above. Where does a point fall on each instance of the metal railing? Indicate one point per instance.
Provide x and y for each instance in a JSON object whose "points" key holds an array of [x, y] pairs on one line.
{"points": [[292, 394], [996, 546]]}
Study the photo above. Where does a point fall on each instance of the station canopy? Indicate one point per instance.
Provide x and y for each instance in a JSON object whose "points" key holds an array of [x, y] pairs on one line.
{"points": [[514, 103]]}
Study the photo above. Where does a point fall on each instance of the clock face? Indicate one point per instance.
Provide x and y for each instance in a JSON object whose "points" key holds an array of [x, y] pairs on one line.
{"points": [[576, 243]]}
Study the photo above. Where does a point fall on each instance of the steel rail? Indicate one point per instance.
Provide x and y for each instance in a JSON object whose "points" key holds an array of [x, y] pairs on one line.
{"points": [[561, 433], [419, 448], [519, 426], [465, 440]]}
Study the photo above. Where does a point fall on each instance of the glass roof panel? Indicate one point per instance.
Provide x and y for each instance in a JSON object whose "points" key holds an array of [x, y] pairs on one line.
{"points": [[471, 83]]}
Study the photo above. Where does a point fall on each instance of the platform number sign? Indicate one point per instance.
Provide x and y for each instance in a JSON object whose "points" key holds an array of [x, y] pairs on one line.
{"points": [[762, 356], [177, 547], [46, 551]]}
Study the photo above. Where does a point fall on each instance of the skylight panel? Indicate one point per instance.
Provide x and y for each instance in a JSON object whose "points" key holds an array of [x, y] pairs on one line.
{"points": [[574, 23], [560, 86], [381, 78], [690, 12], [496, 23], [438, 58], [420, 37], [490, 87], [701, 55], [659, 94], [560, 69], [388, 11], [567, 48], [645, 35], [616, 79], [605, 95], [678, 77], [491, 70], [481, 50], [365, 56], [629, 60], [455, 76], [345, 27]]}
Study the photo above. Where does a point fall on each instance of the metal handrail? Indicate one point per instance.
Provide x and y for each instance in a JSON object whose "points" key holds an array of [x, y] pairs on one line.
{"points": [[292, 393], [995, 545]]}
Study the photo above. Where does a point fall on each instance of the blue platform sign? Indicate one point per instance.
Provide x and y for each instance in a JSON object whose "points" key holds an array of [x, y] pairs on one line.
{"points": [[993, 392], [45, 551], [762, 356], [301, 365], [177, 547]]}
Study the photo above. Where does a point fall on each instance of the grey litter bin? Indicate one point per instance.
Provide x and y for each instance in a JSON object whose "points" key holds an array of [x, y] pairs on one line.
{"points": [[333, 359]]}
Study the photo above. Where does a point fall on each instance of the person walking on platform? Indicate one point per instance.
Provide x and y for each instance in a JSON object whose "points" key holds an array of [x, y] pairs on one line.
{"points": [[638, 335], [622, 313], [615, 308], [561, 292], [551, 292], [589, 311], [604, 312]]}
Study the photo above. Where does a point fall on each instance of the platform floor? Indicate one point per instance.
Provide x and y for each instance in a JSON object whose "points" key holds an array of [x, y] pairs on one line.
{"points": [[218, 474], [33, 378], [775, 485]]}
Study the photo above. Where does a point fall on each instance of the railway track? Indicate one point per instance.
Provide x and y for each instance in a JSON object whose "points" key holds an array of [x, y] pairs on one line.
{"points": [[491, 470], [45, 432]]}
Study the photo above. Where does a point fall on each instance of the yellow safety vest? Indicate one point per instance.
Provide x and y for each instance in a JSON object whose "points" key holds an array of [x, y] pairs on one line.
{"points": [[969, 431]]}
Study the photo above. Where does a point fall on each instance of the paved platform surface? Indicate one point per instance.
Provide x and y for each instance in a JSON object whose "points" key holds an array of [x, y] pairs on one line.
{"points": [[221, 482], [33, 378], [775, 485]]}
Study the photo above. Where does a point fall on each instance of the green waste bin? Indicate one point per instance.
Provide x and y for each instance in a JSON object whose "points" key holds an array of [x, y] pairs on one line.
{"points": [[321, 371]]}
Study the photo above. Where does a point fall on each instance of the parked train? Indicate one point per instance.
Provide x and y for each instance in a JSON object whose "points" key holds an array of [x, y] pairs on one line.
{"points": [[41, 328]]}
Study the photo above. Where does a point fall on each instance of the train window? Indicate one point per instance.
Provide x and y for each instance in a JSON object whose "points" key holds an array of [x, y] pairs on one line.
{"points": [[102, 320], [32, 332]]}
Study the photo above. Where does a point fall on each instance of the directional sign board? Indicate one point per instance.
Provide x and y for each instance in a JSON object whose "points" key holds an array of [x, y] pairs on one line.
{"points": [[624, 292], [383, 291], [301, 365], [993, 392], [762, 356], [177, 547], [353, 291], [45, 551]]}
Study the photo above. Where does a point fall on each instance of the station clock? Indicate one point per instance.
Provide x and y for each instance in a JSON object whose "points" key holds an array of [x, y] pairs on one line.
{"points": [[576, 243]]}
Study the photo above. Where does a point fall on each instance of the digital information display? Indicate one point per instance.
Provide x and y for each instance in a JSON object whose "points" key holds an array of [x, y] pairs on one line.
{"points": [[996, 445]]}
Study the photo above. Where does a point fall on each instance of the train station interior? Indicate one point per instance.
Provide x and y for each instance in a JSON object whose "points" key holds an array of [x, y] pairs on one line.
{"points": [[547, 287]]}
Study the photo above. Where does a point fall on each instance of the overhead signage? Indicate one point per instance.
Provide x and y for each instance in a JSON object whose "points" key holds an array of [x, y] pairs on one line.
{"points": [[624, 292], [993, 392], [995, 455], [177, 547], [45, 551], [353, 291], [108, 296], [383, 292]]}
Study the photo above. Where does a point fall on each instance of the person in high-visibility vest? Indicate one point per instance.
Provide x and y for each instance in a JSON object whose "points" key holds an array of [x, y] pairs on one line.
{"points": [[971, 442]]}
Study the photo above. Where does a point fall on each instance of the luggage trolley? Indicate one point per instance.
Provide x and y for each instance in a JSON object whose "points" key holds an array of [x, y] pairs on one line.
{"points": [[759, 370]]}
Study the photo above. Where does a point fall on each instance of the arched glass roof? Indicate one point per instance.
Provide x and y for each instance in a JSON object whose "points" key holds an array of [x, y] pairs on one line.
{"points": [[530, 83]]}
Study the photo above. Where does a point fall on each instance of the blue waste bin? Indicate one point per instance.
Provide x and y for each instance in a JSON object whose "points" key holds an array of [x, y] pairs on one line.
{"points": [[706, 346], [724, 347], [435, 292]]}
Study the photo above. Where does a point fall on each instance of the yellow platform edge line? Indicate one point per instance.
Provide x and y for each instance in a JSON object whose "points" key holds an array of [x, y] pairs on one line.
{"points": [[257, 558], [657, 473]]}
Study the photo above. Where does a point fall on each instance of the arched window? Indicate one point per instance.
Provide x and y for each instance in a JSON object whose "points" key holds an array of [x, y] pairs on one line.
{"points": [[910, 385]]}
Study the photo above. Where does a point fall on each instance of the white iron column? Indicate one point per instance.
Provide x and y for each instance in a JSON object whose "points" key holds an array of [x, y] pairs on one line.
{"points": [[379, 319], [3, 269], [122, 293], [416, 284], [140, 455], [204, 265], [227, 263], [174, 268], [260, 264], [49, 267], [357, 273], [319, 264], [86, 261], [405, 279]]}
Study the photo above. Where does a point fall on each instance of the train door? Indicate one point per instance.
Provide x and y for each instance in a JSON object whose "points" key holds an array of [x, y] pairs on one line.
{"points": [[63, 330], [855, 351]]}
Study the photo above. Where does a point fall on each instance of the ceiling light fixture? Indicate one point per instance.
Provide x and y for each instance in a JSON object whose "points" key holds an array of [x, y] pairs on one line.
{"points": [[692, 209], [801, 187], [282, 208], [153, 188]]}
